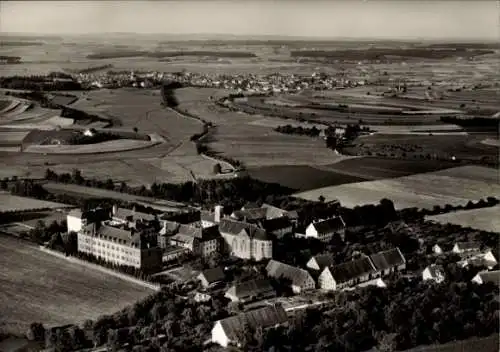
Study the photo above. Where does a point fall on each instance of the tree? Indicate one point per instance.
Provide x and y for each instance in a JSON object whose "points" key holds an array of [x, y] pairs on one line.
{"points": [[321, 198], [136, 130], [217, 169], [36, 332]]}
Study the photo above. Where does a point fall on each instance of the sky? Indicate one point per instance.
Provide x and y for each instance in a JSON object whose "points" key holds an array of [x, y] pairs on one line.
{"points": [[384, 19]]}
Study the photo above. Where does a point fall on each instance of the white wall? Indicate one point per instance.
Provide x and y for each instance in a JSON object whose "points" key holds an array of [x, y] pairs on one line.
{"points": [[311, 231], [218, 335], [74, 223]]}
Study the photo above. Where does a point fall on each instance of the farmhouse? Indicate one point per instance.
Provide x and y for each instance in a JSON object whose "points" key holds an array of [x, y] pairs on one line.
{"points": [[388, 261], [250, 290], [211, 277], [461, 247], [228, 331], [433, 272], [130, 247], [300, 279], [487, 277], [278, 226], [325, 229], [321, 261], [347, 274], [246, 241]]}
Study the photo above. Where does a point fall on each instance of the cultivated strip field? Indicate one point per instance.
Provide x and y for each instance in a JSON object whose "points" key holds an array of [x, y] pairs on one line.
{"points": [[486, 219], [422, 190], [91, 192], [10, 202], [36, 286]]}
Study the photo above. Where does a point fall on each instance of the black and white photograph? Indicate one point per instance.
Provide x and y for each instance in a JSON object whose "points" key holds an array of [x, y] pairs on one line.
{"points": [[250, 176]]}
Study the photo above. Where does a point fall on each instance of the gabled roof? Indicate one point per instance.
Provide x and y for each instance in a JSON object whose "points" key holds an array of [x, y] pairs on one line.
{"points": [[274, 212], [250, 288], [213, 275], [324, 260], [435, 270], [298, 276], [352, 269], [329, 225], [250, 214], [387, 259], [276, 223], [183, 238], [490, 276], [122, 213], [264, 317], [467, 246], [234, 228]]}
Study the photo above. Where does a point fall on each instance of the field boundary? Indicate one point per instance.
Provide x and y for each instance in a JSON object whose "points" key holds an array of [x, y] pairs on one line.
{"points": [[155, 287]]}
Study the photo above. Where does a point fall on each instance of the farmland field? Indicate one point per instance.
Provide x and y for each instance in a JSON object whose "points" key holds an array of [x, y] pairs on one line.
{"points": [[36, 286], [421, 190], [9, 202], [485, 219]]}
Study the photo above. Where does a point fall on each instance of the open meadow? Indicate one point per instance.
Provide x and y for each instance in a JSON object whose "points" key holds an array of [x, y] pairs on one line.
{"points": [[485, 219], [36, 286], [9, 202], [423, 190]]}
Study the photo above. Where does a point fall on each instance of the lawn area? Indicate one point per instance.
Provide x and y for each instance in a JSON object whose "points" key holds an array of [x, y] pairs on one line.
{"points": [[9, 202], [485, 219], [421, 190], [37, 286]]}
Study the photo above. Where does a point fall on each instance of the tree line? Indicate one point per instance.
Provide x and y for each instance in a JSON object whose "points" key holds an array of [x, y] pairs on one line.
{"points": [[38, 83]]}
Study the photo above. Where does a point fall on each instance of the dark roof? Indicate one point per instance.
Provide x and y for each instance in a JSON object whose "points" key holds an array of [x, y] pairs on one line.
{"points": [[278, 270], [250, 288], [112, 233], [235, 228], [329, 225], [387, 259], [189, 230], [250, 214], [264, 317], [435, 270], [207, 216], [475, 344], [490, 276], [324, 260], [213, 275], [467, 246], [352, 269], [122, 213], [250, 205], [274, 212], [276, 223]]}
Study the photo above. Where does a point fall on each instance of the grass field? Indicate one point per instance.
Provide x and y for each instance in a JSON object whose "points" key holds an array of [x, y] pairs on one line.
{"points": [[421, 190], [9, 202], [37, 286], [486, 219]]}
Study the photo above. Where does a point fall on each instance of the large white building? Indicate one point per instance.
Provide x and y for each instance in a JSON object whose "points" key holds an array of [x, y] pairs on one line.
{"points": [[246, 241], [121, 246]]}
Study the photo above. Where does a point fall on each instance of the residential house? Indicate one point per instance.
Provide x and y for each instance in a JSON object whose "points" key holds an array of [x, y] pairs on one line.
{"points": [[300, 279], [337, 277], [437, 249], [202, 241], [433, 272], [250, 290], [278, 226], [461, 247], [487, 277], [229, 330], [321, 261], [121, 245], [211, 277], [246, 241], [388, 261], [476, 258], [324, 230]]}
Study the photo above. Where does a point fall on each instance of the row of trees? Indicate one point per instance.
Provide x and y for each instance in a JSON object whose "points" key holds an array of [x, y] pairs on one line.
{"points": [[38, 83]]}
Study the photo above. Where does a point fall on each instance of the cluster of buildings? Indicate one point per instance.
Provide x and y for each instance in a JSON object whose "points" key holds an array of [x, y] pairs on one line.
{"points": [[248, 83]]}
